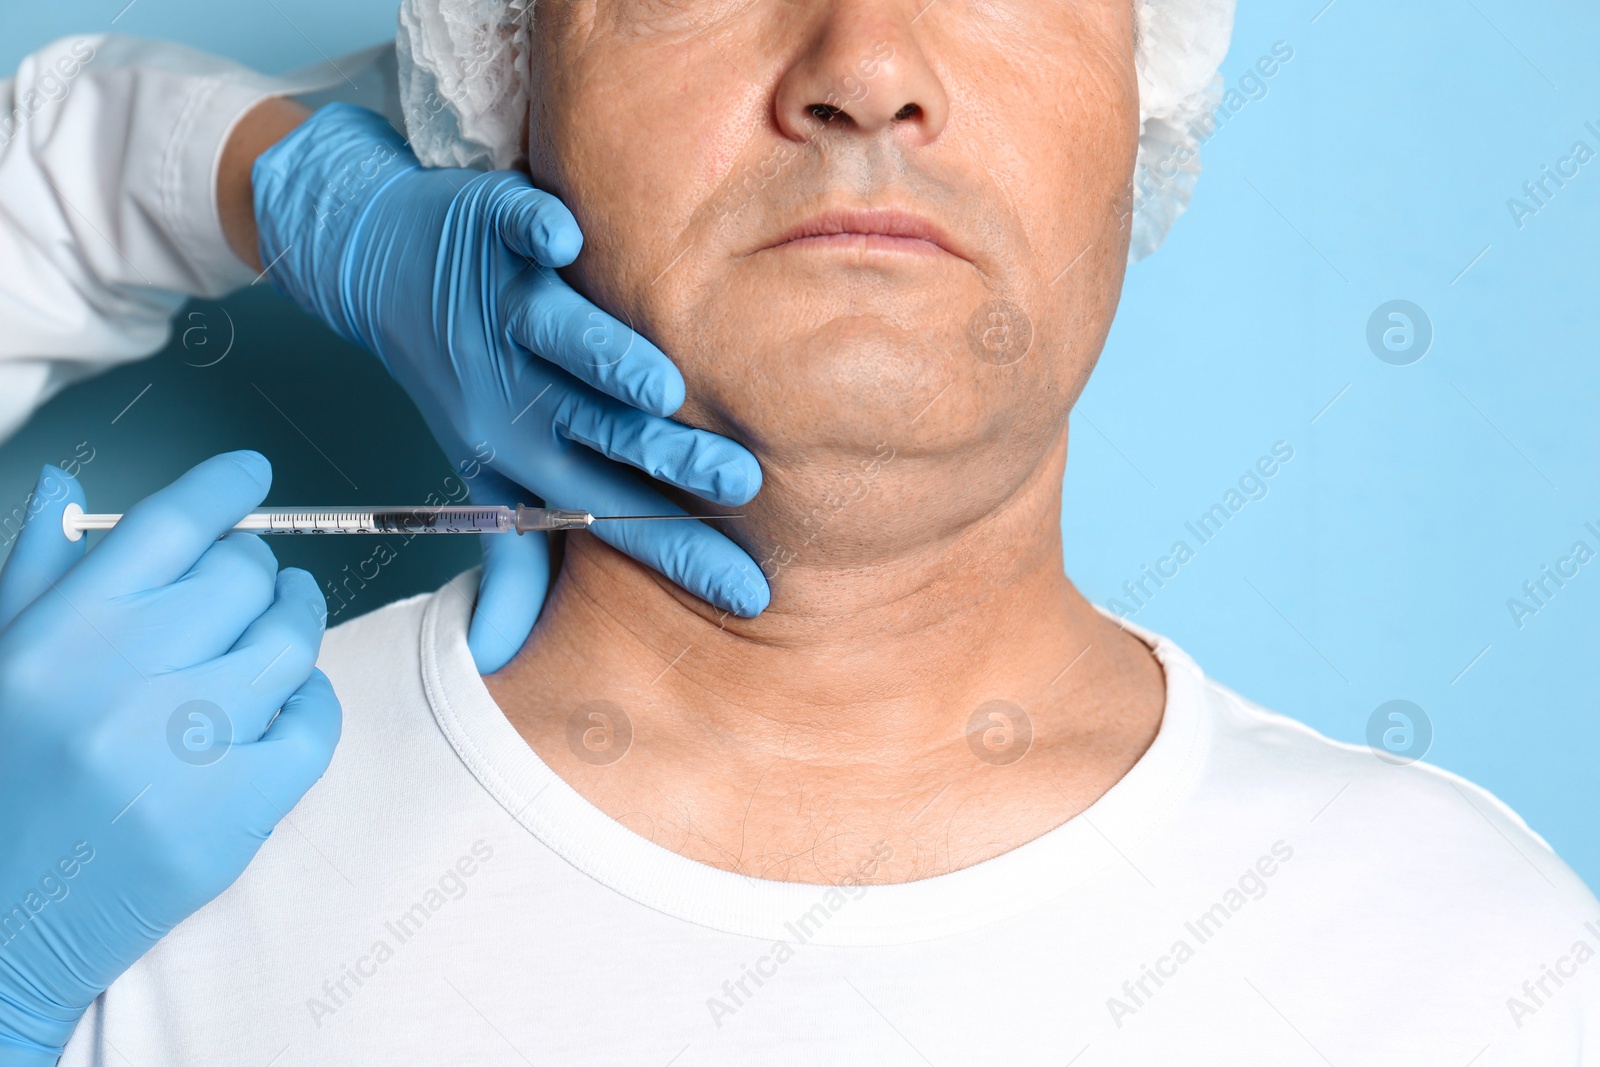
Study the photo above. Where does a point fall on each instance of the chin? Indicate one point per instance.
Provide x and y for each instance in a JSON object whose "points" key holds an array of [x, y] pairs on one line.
{"points": [[803, 391]]}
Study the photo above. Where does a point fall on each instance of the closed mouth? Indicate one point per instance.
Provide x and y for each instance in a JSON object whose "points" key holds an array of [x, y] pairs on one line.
{"points": [[875, 230]]}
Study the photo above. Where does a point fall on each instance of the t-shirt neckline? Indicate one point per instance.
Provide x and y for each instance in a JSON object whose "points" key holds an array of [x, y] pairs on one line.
{"points": [[658, 878]]}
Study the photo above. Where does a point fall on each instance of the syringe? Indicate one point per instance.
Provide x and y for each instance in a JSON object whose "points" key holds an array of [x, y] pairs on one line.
{"points": [[394, 520]]}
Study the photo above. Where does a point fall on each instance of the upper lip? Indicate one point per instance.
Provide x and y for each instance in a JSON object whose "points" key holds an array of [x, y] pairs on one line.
{"points": [[887, 222]]}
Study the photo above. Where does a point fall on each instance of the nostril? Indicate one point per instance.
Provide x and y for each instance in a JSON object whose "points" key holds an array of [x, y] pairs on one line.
{"points": [[825, 112], [907, 112]]}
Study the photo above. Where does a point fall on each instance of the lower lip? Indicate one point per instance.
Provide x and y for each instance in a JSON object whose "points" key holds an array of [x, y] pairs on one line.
{"points": [[864, 242]]}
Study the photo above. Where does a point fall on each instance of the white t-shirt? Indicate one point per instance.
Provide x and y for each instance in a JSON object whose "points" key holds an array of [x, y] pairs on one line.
{"points": [[1250, 893]]}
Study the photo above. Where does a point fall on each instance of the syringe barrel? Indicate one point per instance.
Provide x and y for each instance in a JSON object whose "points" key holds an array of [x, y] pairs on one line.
{"points": [[380, 520], [402, 520]]}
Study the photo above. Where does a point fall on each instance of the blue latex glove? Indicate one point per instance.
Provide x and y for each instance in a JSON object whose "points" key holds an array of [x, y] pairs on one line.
{"points": [[141, 766], [449, 276]]}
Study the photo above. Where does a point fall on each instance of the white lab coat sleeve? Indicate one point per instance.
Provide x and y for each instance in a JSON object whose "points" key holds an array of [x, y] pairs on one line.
{"points": [[109, 149]]}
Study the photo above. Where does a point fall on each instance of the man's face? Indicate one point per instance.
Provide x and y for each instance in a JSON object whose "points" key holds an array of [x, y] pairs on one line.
{"points": [[860, 228]]}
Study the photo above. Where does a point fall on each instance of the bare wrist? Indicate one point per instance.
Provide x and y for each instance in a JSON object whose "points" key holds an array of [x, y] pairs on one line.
{"points": [[261, 127]]}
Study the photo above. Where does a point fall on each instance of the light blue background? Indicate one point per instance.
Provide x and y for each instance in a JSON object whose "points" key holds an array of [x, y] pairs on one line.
{"points": [[1377, 166]]}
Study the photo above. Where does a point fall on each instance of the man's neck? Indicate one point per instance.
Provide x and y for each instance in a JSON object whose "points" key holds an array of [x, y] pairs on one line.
{"points": [[857, 715]]}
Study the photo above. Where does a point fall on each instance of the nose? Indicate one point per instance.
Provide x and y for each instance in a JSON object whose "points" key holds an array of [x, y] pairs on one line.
{"points": [[864, 70]]}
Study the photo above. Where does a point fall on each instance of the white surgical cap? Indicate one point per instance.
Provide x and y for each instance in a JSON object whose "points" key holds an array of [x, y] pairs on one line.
{"points": [[466, 101]]}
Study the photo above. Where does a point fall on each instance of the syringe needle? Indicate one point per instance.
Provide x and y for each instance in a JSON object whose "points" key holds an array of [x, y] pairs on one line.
{"points": [[648, 518]]}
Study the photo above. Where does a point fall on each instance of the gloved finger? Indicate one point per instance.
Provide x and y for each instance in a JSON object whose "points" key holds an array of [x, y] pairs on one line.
{"points": [[696, 557], [163, 535], [704, 463], [516, 578], [201, 615], [692, 554], [42, 554], [543, 313], [297, 747], [272, 657], [534, 224]]}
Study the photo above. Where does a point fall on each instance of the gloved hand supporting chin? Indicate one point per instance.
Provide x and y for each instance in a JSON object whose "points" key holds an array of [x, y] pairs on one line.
{"points": [[449, 276]]}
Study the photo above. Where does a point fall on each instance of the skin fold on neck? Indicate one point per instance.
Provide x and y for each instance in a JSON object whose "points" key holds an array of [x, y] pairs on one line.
{"points": [[835, 727]]}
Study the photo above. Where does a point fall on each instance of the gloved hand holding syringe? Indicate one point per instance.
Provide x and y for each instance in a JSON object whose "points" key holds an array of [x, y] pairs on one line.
{"points": [[394, 520], [129, 671]]}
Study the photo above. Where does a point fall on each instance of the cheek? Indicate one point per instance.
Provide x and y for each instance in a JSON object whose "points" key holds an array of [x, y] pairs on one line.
{"points": [[638, 158], [1076, 180], [1048, 101], [1061, 158], [1061, 172]]}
